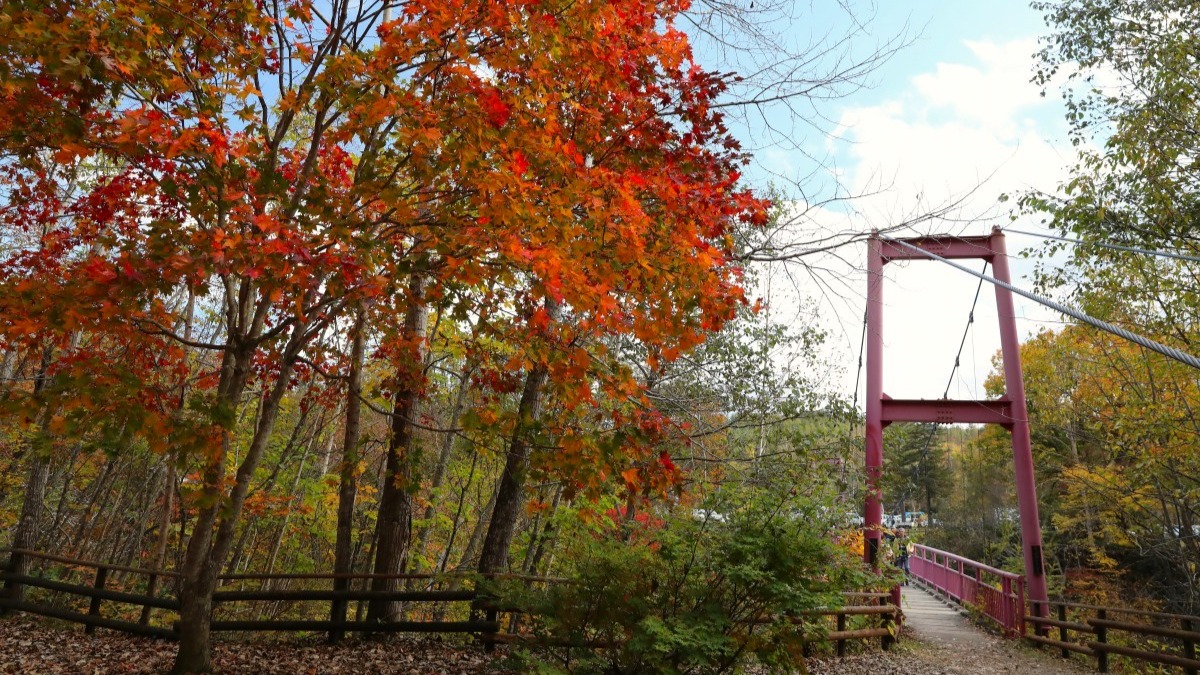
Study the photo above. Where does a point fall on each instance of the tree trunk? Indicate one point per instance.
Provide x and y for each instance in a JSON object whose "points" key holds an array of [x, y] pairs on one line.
{"points": [[89, 515], [394, 522], [169, 487], [457, 520], [510, 493], [470, 556], [439, 471], [216, 522], [198, 578], [110, 527], [8, 367], [476, 534], [297, 502], [60, 511], [164, 531], [537, 545], [348, 474], [29, 524]]}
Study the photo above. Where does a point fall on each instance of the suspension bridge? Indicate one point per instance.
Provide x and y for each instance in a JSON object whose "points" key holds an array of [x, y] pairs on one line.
{"points": [[1018, 606]]}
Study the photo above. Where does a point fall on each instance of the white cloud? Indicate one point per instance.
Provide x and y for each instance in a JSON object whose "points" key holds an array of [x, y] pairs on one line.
{"points": [[969, 131], [959, 126], [991, 93]]}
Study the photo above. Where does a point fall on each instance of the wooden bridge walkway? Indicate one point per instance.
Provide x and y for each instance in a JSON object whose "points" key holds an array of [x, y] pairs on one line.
{"points": [[932, 620], [945, 641]]}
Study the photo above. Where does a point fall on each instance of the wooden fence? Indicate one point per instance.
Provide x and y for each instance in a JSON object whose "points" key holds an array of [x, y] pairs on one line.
{"points": [[882, 605], [816, 626], [338, 597], [126, 598], [1100, 632]]}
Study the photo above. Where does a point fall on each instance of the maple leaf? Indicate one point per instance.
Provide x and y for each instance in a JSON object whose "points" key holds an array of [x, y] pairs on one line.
{"points": [[520, 164], [494, 107]]}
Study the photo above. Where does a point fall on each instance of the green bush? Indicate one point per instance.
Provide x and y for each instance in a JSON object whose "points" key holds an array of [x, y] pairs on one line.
{"points": [[688, 595]]}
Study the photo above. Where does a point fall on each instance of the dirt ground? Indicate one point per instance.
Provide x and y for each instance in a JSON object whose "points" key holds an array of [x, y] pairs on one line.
{"points": [[29, 646], [919, 656]]}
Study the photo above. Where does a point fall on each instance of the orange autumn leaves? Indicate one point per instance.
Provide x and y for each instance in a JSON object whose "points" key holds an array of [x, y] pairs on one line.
{"points": [[511, 153]]}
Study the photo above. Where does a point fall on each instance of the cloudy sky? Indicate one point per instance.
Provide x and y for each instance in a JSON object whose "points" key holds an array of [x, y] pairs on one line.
{"points": [[952, 117]]}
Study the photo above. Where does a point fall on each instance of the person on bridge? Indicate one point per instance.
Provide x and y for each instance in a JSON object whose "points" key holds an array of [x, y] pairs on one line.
{"points": [[903, 548]]}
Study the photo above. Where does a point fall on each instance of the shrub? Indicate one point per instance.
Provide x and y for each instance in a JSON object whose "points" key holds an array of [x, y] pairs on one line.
{"points": [[690, 595]]}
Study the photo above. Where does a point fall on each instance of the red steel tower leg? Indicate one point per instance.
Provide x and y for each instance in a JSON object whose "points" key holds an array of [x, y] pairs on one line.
{"points": [[873, 516], [1014, 386]]}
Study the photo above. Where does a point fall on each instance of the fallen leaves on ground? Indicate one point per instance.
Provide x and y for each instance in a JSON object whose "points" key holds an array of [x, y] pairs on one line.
{"points": [[49, 648], [33, 646]]}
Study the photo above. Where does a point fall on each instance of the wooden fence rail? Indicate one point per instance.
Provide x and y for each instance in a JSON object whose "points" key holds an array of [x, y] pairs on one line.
{"points": [[890, 619], [879, 605], [97, 593], [1088, 630]]}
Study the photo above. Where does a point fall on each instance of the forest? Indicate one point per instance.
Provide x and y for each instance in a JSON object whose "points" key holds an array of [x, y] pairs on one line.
{"points": [[473, 289]]}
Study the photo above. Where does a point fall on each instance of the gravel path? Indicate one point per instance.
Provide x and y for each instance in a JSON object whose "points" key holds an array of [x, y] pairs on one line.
{"points": [[917, 657], [937, 640]]}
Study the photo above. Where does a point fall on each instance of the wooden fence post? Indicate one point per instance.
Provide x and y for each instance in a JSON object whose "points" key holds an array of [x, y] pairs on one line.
{"points": [[841, 626], [94, 610], [151, 588], [12, 590], [897, 599], [1102, 638], [1062, 630], [886, 640], [337, 610], [1189, 646], [493, 615]]}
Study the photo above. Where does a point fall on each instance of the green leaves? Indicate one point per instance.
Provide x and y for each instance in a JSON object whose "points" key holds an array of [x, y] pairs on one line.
{"points": [[695, 593], [1132, 85]]}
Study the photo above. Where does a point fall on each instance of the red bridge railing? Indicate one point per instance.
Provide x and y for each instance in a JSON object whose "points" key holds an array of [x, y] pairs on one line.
{"points": [[999, 594]]}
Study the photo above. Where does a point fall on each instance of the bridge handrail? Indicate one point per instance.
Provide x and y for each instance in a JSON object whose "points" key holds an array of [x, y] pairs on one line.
{"points": [[1004, 574], [962, 580], [1078, 633]]}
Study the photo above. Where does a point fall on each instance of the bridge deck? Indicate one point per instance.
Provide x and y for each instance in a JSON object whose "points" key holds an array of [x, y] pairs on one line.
{"points": [[931, 620], [950, 643]]}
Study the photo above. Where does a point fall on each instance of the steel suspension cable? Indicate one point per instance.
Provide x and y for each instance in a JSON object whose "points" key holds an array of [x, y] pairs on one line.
{"points": [[1105, 244], [853, 417], [862, 342], [1169, 352]]}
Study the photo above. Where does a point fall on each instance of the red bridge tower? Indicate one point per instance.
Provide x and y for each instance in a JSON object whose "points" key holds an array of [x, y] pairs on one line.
{"points": [[1009, 411]]}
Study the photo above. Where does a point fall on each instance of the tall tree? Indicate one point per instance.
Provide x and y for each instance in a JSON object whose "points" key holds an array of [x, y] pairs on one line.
{"points": [[1132, 89], [393, 526], [289, 162]]}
